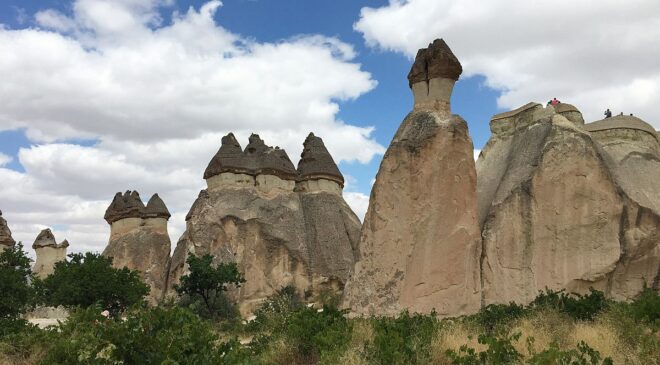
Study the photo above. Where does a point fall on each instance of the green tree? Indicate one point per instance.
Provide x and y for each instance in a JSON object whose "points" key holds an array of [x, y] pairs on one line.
{"points": [[16, 294], [89, 279], [208, 283]]}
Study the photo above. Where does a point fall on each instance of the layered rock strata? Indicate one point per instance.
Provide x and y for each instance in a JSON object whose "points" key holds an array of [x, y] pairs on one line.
{"points": [[282, 226], [563, 205], [6, 239], [49, 252], [420, 242], [139, 239]]}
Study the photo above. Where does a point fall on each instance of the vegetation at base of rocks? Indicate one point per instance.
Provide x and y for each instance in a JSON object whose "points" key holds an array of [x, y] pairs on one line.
{"points": [[89, 279], [556, 328], [16, 293], [203, 288]]}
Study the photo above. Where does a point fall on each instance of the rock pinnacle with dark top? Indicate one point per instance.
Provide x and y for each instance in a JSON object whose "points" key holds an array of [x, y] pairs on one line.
{"points": [[5, 233], [44, 239], [127, 205], [156, 208], [435, 61], [316, 162]]}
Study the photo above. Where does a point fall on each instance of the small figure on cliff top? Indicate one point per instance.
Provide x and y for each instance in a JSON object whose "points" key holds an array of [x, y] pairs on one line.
{"points": [[608, 113], [554, 102]]}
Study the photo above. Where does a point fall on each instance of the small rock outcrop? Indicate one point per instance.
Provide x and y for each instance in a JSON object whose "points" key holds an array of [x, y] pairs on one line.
{"points": [[563, 205], [6, 239], [48, 253], [139, 239], [420, 242], [281, 227]]}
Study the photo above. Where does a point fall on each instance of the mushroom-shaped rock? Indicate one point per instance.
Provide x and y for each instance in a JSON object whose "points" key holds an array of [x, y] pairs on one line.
{"points": [[570, 112], [127, 205], [229, 158], [435, 61], [433, 75], [48, 253], [44, 239], [317, 163], [6, 239], [276, 162], [156, 208]]}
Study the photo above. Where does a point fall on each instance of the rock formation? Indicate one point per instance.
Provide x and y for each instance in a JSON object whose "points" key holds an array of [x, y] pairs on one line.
{"points": [[5, 234], [48, 253], [563, 205], [420, 242], [281, 226], [139, 238]]}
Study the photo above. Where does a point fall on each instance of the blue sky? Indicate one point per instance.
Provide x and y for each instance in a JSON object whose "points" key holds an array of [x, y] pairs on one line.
{"points": [[100, 96]]}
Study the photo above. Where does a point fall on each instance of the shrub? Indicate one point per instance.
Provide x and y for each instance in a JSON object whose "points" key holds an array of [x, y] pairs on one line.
{"points": [[318, 334], [146, 336], [583, 355], [582, 307], [646, 307], [89, 279], [16, 294], [496, 314], [276, 311], [403, 340], [207, 285]]}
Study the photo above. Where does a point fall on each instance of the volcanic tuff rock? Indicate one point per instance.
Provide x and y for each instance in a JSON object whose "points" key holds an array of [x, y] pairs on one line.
{"points": [[420, 243], [256, 213], [567, 206], [5, 234], [139, 238], [48, 253]]}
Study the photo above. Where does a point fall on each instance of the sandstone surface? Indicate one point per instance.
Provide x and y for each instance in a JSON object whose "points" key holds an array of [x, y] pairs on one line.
{"points": [[561, 208], [256, 213], [420, 242], [49, 252], [6, 239], [139, 239]]}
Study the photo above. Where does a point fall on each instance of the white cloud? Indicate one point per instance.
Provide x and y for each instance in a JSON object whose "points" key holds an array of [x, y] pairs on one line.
{"points": [[4, 159], [476, 154], [593, 53], [358, 202], [156, 95]]}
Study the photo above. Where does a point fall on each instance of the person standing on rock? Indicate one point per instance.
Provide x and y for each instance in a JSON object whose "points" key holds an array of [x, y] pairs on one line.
{"points": [[554, 102], [608, 113]]}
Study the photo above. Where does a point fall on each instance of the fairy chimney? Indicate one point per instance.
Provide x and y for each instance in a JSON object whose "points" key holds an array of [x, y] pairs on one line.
{"points": [[432, 77], [48, 253], [6, 239], [317, 171]]}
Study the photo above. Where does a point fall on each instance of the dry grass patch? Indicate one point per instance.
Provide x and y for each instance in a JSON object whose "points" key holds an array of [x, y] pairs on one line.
{"points": [[452, 337]]}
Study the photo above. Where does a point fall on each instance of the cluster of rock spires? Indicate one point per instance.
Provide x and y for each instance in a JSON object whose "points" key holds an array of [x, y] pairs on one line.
{"points": [[551, 202]]}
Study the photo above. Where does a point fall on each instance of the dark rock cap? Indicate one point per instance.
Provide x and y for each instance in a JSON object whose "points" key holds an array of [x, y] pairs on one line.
{"points": [[63, 244], [5, 233], [156, 208], [127, 205], [316, 162], [257, 158], [44, 239], [437, 60]]}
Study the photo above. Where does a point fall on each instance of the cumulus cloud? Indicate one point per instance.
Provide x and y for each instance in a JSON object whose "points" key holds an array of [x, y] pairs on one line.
{"points": [[155, 95], [4, 159], [359, 202], [594, 54]]}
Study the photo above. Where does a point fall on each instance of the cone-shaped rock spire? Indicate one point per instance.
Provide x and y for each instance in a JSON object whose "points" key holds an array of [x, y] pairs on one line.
{"points": [[257, 158], [435, 61], [229, 158], [5, 233], [44, 239], [127, 205], [156, 208], [316, 162]]}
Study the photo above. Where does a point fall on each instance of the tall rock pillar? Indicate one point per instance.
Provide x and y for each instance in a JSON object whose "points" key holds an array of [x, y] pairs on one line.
{"points": [[420, 240], [48, 253], [6, 239]]}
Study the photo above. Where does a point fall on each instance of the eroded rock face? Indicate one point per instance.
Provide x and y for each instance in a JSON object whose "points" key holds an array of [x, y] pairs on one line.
{"points": [[277, 234], [49, 252], [139, 239], [420, 244], [554, 213], [6, 239]]}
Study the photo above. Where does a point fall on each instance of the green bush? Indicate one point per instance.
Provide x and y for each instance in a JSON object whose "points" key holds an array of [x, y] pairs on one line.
{"points": [[16, 293], [203, 288], [146, 336], [318, 334], [494, 315], [646, 307], [577, 306], [90, 279], [276, 311], [403, 340], [583, 355]]}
